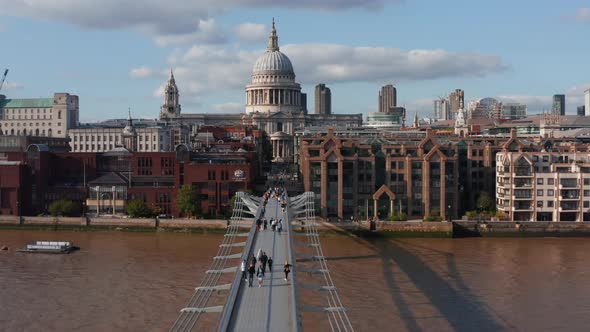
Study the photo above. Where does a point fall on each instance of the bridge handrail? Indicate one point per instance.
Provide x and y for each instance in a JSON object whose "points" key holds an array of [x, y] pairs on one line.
{"points": [[295, 312], [338, 318], [187, 319], [236, 285]]}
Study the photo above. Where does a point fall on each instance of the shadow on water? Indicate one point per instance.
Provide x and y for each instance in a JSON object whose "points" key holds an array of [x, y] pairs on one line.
{"points": [[459, 306]]}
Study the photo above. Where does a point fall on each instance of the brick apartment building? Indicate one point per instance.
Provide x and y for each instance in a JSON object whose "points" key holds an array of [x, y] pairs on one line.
{"points": [[418, 173]]}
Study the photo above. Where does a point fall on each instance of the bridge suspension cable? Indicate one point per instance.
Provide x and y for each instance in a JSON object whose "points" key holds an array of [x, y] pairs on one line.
{"points": [[199, 302], [304, 206]]}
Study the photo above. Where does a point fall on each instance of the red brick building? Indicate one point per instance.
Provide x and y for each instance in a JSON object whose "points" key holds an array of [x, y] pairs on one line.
{"points": [[103, 182]]}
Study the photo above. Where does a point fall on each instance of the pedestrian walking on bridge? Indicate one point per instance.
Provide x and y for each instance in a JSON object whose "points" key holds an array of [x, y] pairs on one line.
{"points": [[287, 269], [251, 271], [260, 276], [270, 264], [243, 268]]}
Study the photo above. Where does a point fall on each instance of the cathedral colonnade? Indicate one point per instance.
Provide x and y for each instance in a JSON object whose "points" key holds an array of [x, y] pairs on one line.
{"points": [[282, 146], [273, 97]]}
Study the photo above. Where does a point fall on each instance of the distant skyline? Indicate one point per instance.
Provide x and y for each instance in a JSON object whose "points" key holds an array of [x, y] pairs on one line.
{"points": [[116, 54]]}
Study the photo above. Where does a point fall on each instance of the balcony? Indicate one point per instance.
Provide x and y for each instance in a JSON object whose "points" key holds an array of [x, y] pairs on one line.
{"points": [[569, 206], [522, 197], [569, 195], [522, 208], [568, 183]]}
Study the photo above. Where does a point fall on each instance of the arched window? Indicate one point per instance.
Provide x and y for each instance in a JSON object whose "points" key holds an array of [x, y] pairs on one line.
{"points": [[37, 132], [49, 132]]}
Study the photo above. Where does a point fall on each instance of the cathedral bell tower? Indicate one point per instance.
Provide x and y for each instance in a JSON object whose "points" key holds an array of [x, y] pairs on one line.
{"points": [[129, 136], [171, 107]]}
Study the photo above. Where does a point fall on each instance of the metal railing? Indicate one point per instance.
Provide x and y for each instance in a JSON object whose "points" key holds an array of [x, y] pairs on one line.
{"points": [[336, 313], [199, 302]]}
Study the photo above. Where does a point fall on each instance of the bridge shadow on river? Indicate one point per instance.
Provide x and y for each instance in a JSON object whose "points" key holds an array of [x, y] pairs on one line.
{"points": [[446, 292]]}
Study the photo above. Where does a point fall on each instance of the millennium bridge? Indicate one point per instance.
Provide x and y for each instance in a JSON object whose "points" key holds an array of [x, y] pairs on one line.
{"points": [[224, 300]]}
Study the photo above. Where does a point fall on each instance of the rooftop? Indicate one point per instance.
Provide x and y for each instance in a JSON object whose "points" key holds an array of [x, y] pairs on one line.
{"points": [[26, 103]]}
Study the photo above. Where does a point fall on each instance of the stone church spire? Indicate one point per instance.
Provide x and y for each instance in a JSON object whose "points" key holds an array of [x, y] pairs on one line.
{"points": [[273, 39], [171, 106]]}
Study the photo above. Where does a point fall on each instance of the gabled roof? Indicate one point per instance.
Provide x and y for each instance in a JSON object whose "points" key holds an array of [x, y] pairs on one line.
{"points": [[110, 178]]}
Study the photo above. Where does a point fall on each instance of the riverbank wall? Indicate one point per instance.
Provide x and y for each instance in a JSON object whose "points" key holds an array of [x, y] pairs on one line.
{"points": [[383, 229], [120, 224], [519, 229]]}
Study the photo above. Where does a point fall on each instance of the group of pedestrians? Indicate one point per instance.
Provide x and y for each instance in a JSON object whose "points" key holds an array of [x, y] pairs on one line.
{"points": [[262, 261], [248, 271]]}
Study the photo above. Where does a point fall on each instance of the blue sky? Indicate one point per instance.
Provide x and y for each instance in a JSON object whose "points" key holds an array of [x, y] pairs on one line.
{"points": [[117, 54]]}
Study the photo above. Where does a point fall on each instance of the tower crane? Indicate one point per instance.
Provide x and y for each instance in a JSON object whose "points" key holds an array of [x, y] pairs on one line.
{"points": [[3, 79]]}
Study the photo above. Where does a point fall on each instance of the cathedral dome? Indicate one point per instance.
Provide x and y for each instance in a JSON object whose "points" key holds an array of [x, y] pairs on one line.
{"points": [[273, 62]]}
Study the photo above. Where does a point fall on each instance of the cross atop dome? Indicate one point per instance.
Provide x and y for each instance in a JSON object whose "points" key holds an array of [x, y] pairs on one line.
{"points": [[273, 39]]}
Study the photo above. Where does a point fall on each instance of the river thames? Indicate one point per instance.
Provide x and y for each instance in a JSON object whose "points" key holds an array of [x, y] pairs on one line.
{"points": [[125, 281]]}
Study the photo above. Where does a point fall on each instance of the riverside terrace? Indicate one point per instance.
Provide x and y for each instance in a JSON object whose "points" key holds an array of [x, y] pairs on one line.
{"points": [[275, 305]]}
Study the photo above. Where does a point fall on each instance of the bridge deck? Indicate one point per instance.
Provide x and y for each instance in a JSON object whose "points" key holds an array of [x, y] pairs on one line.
{"points": [[270, 307]]}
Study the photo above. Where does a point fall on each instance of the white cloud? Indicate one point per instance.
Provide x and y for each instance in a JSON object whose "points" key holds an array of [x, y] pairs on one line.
{"points": [[207, 32], [141, 72], [582, 14], [251, 32], [169, 22], [204, 69], [342, 63], [213, 67]]}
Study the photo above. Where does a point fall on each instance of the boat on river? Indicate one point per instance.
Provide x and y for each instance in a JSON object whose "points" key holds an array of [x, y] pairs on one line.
{"points": [[49, 247]]}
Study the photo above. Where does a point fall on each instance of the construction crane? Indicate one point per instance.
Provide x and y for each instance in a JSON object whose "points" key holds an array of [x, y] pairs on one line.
{"points": [[3, 79]]}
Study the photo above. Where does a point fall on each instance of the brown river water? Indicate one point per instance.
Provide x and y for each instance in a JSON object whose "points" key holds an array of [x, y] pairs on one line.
{"points": [[123, 281]]}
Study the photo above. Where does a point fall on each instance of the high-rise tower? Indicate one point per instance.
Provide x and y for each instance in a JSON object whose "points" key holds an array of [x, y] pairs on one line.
{"points": [[387, 98], [323, 99], [559, 104], [457, 100]]}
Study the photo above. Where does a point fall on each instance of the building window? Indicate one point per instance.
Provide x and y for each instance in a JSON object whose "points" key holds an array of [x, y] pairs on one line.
{"points": [[550, 204], [211, 175], [167, 165], [550, 192], [540, 192], [144, 166], [587, 181], [539, 204], [586, 193], [551, 181], [539, 181], [586, 204], [545, 159]]}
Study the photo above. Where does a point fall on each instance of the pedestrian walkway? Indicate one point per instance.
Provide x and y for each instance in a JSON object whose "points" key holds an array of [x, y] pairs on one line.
{"points": [[270, 307]]}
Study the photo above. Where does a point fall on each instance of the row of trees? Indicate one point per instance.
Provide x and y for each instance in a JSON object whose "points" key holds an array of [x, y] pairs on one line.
{"points": [[188, 203]]}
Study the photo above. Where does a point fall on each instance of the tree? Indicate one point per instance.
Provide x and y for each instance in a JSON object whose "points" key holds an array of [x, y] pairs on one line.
{"points": [[484, 202], [64, 208], [266, 146], [138, 209], [188, 201]]}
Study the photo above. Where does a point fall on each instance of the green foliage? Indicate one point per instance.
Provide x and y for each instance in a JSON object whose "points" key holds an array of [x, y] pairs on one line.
{"points": [[266, 146], [484, 202], [63, 208], [188, 201], [432, 218], [138, 209], [398, 217]]}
